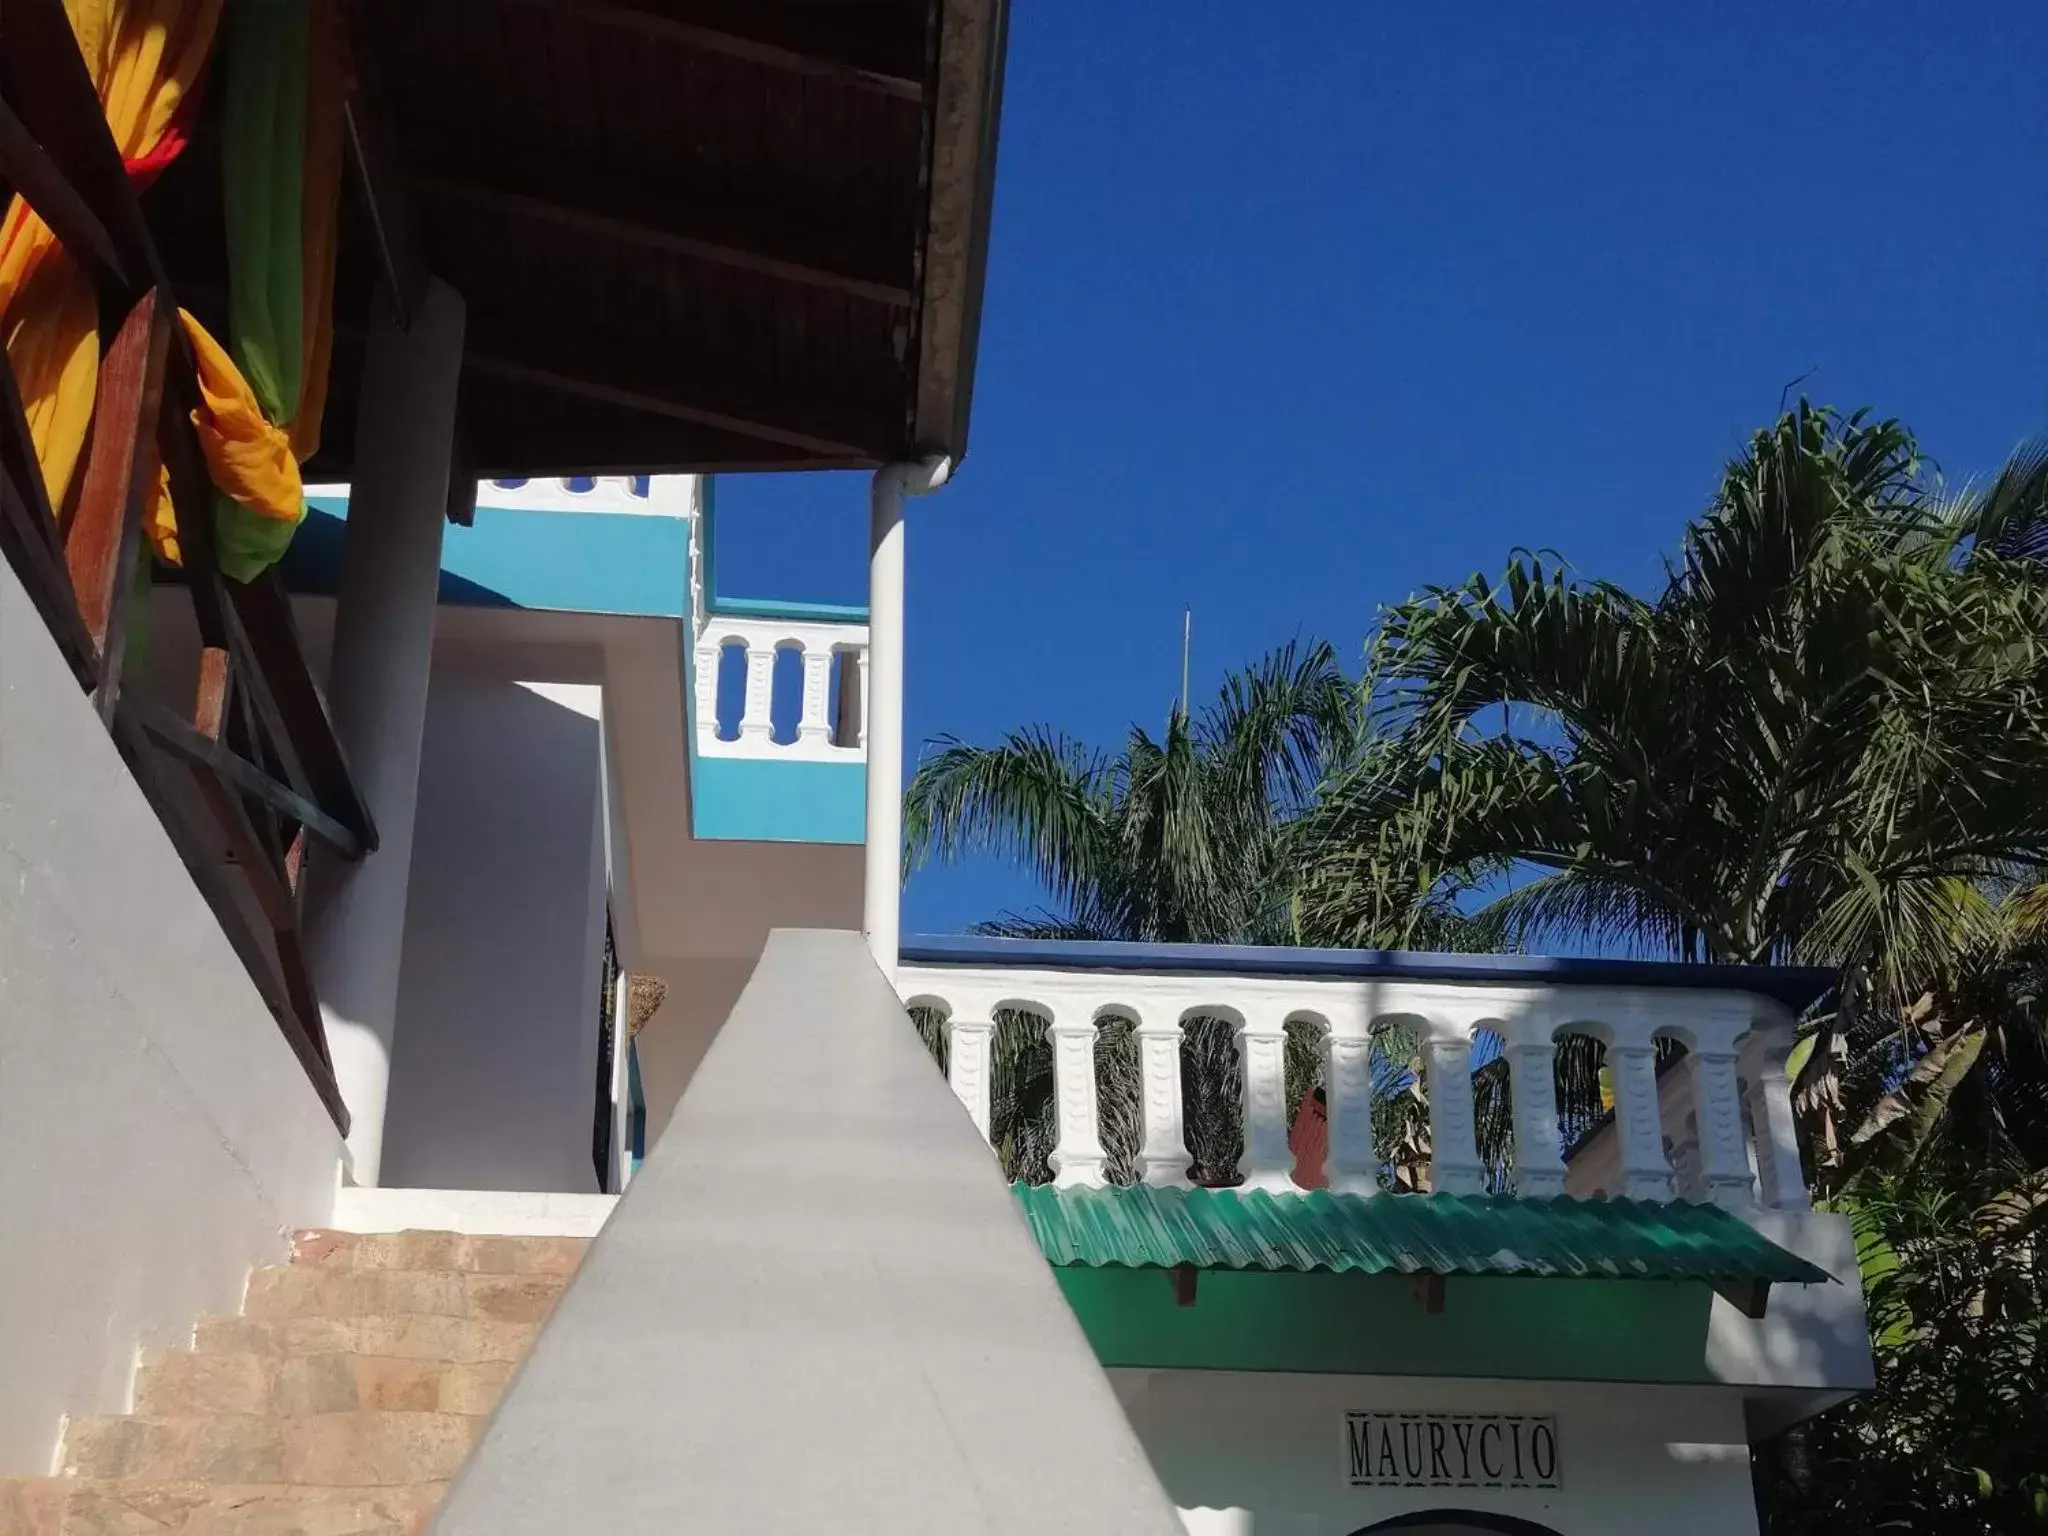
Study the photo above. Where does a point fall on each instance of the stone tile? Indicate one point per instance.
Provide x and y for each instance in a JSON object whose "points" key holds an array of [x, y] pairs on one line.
{"points": [[403, 1386], [173, 1382], [34, 1506], [317, 1384], [526, 1255], [135, 1509], [319, 1248], [474, 1388], [436, 1291], [376, 1449], [431, 1250], [463, 1339], [103, 1446], [285, 1293], [233, 1336], [513, 1298], [216, 1448], [315, 1335]]}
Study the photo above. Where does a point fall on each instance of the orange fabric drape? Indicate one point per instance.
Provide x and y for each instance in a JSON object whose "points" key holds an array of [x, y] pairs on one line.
{"points": [[144, 57], [247, 458]]}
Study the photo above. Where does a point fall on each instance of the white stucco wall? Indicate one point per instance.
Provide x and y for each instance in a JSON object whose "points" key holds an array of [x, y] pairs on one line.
{"points": [[157, 1136], [1247, 1454], [494, 1066]]}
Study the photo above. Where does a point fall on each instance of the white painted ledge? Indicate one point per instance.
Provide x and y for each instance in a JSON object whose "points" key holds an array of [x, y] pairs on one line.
{"points": [[477, 1212]]}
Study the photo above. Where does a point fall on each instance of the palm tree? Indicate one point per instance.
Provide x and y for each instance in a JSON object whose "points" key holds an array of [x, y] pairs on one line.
{"points": [[1823, 741], [1175, 839]]}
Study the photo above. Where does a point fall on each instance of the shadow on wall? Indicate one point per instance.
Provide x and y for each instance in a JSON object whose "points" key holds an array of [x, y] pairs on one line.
{"points": [[498, 1014]]}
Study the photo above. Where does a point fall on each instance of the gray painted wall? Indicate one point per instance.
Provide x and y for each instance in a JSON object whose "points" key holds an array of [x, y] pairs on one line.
{"points": [[816, 1309], [494, 1066], [157, 1136]]}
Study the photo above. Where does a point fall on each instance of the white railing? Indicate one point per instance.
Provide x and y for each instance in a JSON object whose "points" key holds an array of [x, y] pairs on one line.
{"points": [[634, 495], [829, 681], [1730, 1083]]}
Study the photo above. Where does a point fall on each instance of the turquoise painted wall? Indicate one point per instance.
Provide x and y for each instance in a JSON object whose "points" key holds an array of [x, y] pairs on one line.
{"points": [[1372, 1325], [571, 562], [750, 800]]}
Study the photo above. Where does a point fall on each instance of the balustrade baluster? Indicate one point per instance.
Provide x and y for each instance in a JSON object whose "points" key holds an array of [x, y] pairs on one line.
{"points": [[1639, 1119], [1720, 1159], [1163, 1158], [707, 690], [1454, 1166], [967, 1067], [756, 723], [1532, 1085], [1351, 1163], [813, 726], [1262, 1059], [1077, 1156], [1781, 1181]]}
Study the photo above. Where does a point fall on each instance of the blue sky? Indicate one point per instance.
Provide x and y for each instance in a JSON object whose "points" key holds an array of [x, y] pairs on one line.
{"points": [[1293, 310]]}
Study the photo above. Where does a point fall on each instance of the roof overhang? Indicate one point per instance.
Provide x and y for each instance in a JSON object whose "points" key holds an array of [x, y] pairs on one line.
{"points": [[692, 235]]}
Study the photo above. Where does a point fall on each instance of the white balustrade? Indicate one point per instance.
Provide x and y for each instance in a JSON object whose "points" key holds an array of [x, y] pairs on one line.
{"points": [[822, 649], [1638, 1116], [1351, 1165], [617, 495], [1077, 1156], [967, 1067], [1262, 1058], [1163, 1155], [1532, 1092], [1454, 1166], [1780, 1182], [1736, 1046]]}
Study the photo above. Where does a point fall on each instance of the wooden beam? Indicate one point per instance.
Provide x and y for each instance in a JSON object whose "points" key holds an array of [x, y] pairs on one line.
{"points": [[1749, 1297], [379, 174], [230, 768], [1185, 1277], [668, 390], [292, 711], [105, 535], [813, 59], [28, 168], [44, 80], [202, 862], [1429, 1292], [688, 229]]}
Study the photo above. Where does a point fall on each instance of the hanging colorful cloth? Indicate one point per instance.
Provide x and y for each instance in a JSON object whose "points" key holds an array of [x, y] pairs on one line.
{"points": [[145, 58], [284, 90]]}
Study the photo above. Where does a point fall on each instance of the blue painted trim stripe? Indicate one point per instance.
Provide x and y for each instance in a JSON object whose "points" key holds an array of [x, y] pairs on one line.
{"points": [[768, 608], [1794, 986]]}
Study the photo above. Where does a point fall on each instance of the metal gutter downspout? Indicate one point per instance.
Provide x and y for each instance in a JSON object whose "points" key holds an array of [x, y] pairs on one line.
{"points": [[881, 908]]}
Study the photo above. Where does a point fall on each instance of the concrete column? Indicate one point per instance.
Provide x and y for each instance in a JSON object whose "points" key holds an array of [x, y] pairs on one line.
{"points": [[882, 683], [377, 691]]}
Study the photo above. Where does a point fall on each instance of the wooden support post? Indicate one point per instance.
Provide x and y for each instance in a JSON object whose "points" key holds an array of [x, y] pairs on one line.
{"points": [[1184, 1278], [1429, 1292], [105, 534]]}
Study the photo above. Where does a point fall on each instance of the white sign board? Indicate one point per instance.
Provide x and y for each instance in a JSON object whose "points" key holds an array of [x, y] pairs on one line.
{"points": [[1450, 1450]]}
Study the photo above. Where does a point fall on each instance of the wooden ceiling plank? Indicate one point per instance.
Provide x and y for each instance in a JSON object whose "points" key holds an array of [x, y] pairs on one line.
{"points": [[725, 246], [724, 40], [706, 412]]}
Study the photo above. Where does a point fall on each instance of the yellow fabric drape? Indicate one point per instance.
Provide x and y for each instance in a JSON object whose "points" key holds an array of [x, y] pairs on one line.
{"points": [[143, 57], [247, 458]]}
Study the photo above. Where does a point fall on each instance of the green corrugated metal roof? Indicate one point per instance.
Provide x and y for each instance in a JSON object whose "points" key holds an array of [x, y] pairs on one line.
{"points": [[1562, 1238]]}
